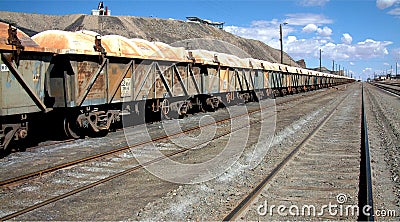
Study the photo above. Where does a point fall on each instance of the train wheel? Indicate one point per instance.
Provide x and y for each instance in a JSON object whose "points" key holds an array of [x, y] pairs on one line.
{"points": [[72, 129]]}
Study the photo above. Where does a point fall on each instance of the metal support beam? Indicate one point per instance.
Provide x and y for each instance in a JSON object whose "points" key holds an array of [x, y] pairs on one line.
{"points": [[117, 84], [210, 85], [164, 80], [143, 82], [90, 84], [178, 74], [196, 85], [245, 80], [251, 79], [7, 60], [238, 77]]}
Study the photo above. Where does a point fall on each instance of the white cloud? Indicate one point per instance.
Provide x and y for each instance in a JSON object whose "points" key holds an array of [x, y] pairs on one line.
{"points": [[371, 49], [305, 48], [310, 28], [347, 39], [382, 4], [395, 12], [292, 38], [326, 31], [313, 2], [298, 48], [367, 70], [303, 19], [352, 63], [266, 31], [386, 64]]}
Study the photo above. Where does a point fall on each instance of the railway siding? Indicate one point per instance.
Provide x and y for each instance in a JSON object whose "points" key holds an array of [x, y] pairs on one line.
{"points": [[321, 182], [384, 123]]}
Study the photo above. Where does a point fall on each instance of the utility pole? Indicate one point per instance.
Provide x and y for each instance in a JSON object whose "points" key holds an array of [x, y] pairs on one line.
{"points": [[339, 71], [320, 60], [280, 38], [333, 66], [391, 71]]}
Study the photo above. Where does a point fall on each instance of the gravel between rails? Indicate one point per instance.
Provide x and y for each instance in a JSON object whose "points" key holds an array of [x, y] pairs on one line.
{"points": [[129, 197]]}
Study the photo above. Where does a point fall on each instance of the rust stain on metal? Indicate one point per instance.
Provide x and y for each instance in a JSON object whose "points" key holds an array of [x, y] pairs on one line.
{"points": [[5, 39], [85, 71]]}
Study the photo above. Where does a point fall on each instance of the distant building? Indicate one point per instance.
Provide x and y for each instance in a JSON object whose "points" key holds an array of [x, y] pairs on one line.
{"points": [[219, 25], [101, 10]]}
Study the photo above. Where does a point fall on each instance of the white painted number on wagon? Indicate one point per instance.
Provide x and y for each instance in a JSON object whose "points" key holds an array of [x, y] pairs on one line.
{"points": [[126, 87], [4, 68]]}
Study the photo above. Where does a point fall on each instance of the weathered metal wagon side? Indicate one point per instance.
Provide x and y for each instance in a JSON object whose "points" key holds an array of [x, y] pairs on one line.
{"points": [[224, 79], [97, 79], [24, 66]]}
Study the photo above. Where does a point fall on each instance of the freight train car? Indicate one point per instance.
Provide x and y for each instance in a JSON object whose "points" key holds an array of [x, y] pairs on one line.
{"points": [[87, 84], [95, 78], [24, 66]]}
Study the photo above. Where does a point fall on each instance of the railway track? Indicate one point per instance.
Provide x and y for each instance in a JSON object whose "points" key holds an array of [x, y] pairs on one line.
{"points": [[108, 178], [314, 173], [383, 122], [393, 88], [10, 181], [365, 193], [136, 167]]}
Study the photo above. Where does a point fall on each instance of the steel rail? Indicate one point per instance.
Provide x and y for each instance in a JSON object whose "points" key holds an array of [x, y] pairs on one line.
{"points": [[245, 202], [386, 88], [10, 181], [365, 196], [125, 172], [96, 156]]}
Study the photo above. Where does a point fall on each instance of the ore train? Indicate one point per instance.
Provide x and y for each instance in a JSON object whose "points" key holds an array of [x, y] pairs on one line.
{"points": [[84, 83]]}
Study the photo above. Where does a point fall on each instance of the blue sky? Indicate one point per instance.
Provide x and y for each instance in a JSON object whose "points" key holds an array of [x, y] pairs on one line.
{"points": [[363, 36]]}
